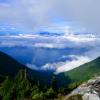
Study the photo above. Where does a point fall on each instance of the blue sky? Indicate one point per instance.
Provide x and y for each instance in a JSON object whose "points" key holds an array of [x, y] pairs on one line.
{"points": [[30, 15], [4, 1]]}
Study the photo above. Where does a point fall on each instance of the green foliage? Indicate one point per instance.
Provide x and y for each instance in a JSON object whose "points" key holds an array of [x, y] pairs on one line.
{"points": [[21, 88], [75, 97], [59, 97], [39, 96], [54, 84], [24, 87], [6, 89], [85, 72], [72, 86], [50, 93], [10, 67]]}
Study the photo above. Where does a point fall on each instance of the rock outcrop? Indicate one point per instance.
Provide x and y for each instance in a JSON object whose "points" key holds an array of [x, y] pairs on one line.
{"points": [[89, 90]]}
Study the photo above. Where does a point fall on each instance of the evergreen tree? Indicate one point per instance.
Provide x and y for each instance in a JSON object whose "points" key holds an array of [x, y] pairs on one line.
{"points": [[22, 85], [6, 89], [54, 84]]}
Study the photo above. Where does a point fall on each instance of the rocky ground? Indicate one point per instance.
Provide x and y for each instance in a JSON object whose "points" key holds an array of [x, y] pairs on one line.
{"points": [[89, 90]]}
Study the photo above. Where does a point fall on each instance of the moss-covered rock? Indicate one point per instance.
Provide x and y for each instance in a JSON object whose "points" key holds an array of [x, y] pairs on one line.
{"points": [[75, 97]]}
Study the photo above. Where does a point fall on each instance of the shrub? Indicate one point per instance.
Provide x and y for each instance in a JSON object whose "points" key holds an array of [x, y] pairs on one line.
{"points": [[75, 97]]}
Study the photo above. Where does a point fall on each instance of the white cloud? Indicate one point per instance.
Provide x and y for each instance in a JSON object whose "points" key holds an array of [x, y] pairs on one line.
{"points": [[32, 66], [58, 42], [62, 41], [50, 45], [24, 14], [49, 66], [66, 66], [32, 14]]}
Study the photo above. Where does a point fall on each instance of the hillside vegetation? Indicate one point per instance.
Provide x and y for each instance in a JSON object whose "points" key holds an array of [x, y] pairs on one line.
{"points": [[17, 82], [85, 71]]}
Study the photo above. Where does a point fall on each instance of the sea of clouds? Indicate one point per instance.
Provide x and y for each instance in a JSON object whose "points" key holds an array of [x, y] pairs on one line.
{"points": [[90, 42]]}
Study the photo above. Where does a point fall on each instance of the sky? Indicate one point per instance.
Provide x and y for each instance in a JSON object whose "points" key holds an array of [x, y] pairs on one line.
{"points": [[30, 16]]}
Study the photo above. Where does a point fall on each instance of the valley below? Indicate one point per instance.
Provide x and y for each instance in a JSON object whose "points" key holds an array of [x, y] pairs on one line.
{"points": [[49, 67]]}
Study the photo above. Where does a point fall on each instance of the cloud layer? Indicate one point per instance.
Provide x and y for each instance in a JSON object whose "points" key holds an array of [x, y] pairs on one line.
{"points": [[79, 49], [51, 41], [67, 65]]}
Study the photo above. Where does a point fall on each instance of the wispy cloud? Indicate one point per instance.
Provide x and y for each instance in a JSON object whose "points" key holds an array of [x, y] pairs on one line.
{"points": [[31, 15], [67, 65], [76, 42], [62, 41]]}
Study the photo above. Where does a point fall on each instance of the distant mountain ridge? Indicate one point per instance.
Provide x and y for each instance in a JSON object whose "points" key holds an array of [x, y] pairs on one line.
{"points": [[10, 67]]}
